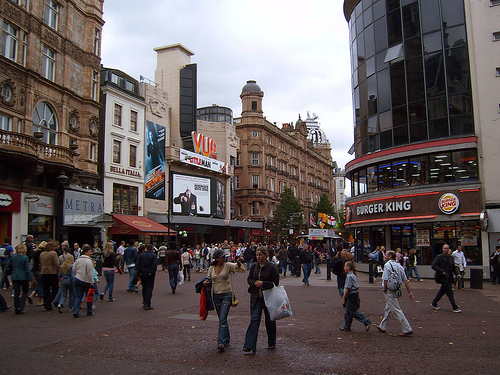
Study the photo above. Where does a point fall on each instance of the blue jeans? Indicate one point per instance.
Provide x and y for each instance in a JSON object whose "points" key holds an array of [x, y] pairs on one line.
{"points": [[410, 270], [81, 288], [110, 282], [445, 289], [131, 271], [316, 263], [20, 299], [351, 311], [292, 267], [307, 272], [283, 266], [253, 328], [66, 286], [222, 304], [5, 278], [173, 270]]}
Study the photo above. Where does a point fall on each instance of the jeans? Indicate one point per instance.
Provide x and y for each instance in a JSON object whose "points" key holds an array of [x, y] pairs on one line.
{"points": [[292, 267], [283, 266], [148, 284], [410, 270], [316, 263], [249, 263], [351, 311], [5, 278], [66, 286], [81, 288], [459, 280], [110, 282], [50, 287], [198, 264], [131, 271], [341, 282], [307, 272], [222, 304], [392, 308], [20, 300], [445, 289], [173, 270], [186, 270], [253, 328]]}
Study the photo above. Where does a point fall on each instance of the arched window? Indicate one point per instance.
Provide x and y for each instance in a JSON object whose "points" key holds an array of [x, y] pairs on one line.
{"points": [[45, 121]]}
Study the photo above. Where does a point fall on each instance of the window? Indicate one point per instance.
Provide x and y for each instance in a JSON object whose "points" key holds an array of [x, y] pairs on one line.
{"points": [[237, 182], [95, 86], [93, 152], [255, 181], [254, 208], [9, 41], [496, 36], [45, 122], [25, 48], [51, 13], [498, 72], [133, 156], [494, 2], [117, 145], [133, 121], [255, 158], [97, 40], [48, 63], [240, 210], [255, 133], [5, 122], [238, 159], [6, 92], [125, 199], [272, 184], [254, 106], [118, 115]]}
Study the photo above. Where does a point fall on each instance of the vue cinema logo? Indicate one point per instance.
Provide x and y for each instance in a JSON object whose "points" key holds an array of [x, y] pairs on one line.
{"points": [[448, 203]]}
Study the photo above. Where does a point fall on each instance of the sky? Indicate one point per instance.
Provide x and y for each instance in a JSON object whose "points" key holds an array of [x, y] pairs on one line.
{"points": [[297, 51]]}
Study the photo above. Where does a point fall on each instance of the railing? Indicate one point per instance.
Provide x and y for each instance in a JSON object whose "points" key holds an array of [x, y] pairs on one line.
{"points": [[22, 142]]}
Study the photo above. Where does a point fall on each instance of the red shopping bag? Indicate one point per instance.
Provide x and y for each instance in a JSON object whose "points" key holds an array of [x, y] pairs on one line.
{"points": [[203, 304], [90, 295]]}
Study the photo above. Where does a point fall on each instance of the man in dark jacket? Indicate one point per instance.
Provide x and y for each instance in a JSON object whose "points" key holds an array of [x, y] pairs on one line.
{"points": [[293, 252], [444, 265], [306, 263], [146, 265], [129, 257]]}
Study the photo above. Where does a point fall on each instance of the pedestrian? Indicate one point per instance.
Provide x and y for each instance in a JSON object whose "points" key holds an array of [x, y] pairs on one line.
{"points": [[49, 269], [262, 276], [173, 265], [293, 253], [119, 257], [186, 260], [21, 277], [248, 255], [109, 263], [495, 262], [283, 259], [317, 260], [350, 299], [412, 265], [37, 289], [444, 265], [346, 256], [162, 252], [83, 270], [219, 276], [147, 263], [6, 252], [394, 270], [129, 258], [460, 266], [66, 285], [306, 263], [65, 251]]}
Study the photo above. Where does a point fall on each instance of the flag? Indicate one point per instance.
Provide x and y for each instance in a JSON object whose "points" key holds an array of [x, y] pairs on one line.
{"points": [[311, 221], [331, 220], [322, 219]]}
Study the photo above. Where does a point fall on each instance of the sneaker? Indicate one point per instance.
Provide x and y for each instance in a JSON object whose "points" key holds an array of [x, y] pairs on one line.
{"points": [[367, 326], [59, 308], [435, 307], [307, 284], [457, 310], [345, 329], [148, 308], [220, 348], [406, 334], [271, 347], [111, 300], [247, 351], [101, 296], [420, 280], [380, 330]]}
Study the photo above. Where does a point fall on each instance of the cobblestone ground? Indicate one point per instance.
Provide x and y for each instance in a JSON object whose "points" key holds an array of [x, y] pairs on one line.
{"points": [[122, 338]]}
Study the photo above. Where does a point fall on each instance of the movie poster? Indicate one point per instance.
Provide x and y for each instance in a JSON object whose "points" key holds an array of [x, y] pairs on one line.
{"points": [[155, 161], [191, 195], [220, 199]]}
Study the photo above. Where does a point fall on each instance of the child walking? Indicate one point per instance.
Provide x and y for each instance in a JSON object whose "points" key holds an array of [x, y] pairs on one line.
{"points": [[350, 299]]}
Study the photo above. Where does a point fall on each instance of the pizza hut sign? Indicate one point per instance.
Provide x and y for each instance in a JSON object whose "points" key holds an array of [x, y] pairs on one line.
{"points": [[448, 203]]}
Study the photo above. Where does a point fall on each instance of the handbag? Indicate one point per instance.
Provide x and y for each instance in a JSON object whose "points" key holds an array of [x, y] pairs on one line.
{"points": [[90, 295], [234, 300], [277, 302]]}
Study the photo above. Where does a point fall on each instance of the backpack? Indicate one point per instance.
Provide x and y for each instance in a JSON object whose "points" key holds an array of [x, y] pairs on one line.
{"points": [[2, 252], [337, 265], [393, 280]]}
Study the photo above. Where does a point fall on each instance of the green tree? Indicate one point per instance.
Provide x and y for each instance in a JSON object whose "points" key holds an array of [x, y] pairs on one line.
{"points": [[325, 206], [288, 212]]}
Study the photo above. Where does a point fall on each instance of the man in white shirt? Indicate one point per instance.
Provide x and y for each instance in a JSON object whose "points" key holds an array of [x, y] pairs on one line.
{"points": [[460, 265], [392, 296]]}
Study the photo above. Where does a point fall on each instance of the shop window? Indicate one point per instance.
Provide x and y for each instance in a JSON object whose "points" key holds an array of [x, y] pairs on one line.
{"points": [[125, 199], [41, 226]]}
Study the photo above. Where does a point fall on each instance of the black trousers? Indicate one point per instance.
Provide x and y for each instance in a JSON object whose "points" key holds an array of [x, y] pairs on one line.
{"points": [[50, 287], [148, 284]]}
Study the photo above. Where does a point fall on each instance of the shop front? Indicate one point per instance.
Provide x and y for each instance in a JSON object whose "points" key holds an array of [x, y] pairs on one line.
{"points": [[424, 221]]}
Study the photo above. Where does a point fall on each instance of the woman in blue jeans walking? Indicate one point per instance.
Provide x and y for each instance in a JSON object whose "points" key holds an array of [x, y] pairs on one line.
{"points": [[109, 264], [219, 274], [262, 275]]}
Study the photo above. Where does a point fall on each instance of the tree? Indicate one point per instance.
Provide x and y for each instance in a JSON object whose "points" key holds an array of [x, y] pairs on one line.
{"points": [[288, 212], [324, 205]]}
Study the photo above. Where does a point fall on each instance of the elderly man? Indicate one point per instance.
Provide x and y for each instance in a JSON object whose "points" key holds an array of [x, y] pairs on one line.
{"points": [[392, 269], [444, 265]]}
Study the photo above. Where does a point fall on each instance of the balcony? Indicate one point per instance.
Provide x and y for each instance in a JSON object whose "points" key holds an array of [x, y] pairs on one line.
{"points": [[271, 168]]}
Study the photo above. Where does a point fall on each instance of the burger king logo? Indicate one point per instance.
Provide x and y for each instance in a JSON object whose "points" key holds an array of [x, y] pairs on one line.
{"points": [[448, 203]]}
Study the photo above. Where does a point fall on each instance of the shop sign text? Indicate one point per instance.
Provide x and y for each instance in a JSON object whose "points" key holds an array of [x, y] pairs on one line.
{"points": [[378, 208]]}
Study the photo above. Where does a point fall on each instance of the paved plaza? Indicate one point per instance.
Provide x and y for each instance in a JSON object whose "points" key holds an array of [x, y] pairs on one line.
{"points": [[122, 338]]}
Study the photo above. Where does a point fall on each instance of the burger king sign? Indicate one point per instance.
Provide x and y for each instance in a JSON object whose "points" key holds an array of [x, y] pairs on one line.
{"points": [[448, 203]]}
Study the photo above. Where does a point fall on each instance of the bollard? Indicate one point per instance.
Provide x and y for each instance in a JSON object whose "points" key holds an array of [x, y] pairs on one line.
{"points": [[328, 269], [476, 278], [370, 273]]}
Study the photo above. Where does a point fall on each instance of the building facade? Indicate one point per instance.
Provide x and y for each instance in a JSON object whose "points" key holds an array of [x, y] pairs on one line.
{"points": [[49, 78], [423, 124], [270, 158]]}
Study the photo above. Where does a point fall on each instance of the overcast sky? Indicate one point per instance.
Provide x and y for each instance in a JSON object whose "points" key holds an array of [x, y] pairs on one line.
{"points": [[297, 51]]}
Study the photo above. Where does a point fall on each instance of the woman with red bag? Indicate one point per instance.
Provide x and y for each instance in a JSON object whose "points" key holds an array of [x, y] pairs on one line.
{"points": [[83, 270]]}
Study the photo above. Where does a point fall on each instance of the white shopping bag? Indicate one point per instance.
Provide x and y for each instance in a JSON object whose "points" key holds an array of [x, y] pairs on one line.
{"points": [[180, 278], [277, 302]]}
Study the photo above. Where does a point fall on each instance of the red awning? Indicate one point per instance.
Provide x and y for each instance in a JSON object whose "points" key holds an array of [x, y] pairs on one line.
{"points": [[136, 225]]}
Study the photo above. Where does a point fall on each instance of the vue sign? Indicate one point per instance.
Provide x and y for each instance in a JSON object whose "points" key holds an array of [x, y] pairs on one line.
{"points": [[204, 145]]}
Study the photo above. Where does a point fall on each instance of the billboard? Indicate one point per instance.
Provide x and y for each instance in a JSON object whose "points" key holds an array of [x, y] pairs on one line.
{"points": [[190, 195], [220, 199], [155, 161]]}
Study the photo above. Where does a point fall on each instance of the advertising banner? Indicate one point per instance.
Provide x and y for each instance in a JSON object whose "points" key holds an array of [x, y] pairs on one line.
{"points": [[220, 199], [191, 195], [155, 161]]}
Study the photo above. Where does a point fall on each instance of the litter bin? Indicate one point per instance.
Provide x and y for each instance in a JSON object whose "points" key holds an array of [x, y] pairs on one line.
{"points": [[476, 278], [297, 266], [328, 269]]}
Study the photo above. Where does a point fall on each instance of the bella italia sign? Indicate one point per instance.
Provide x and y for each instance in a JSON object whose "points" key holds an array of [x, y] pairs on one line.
{"points": [[378, 208]]}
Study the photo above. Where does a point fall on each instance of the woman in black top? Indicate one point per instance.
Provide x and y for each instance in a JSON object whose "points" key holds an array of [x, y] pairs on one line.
{"points": [[262, 275], [108, 269]]}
